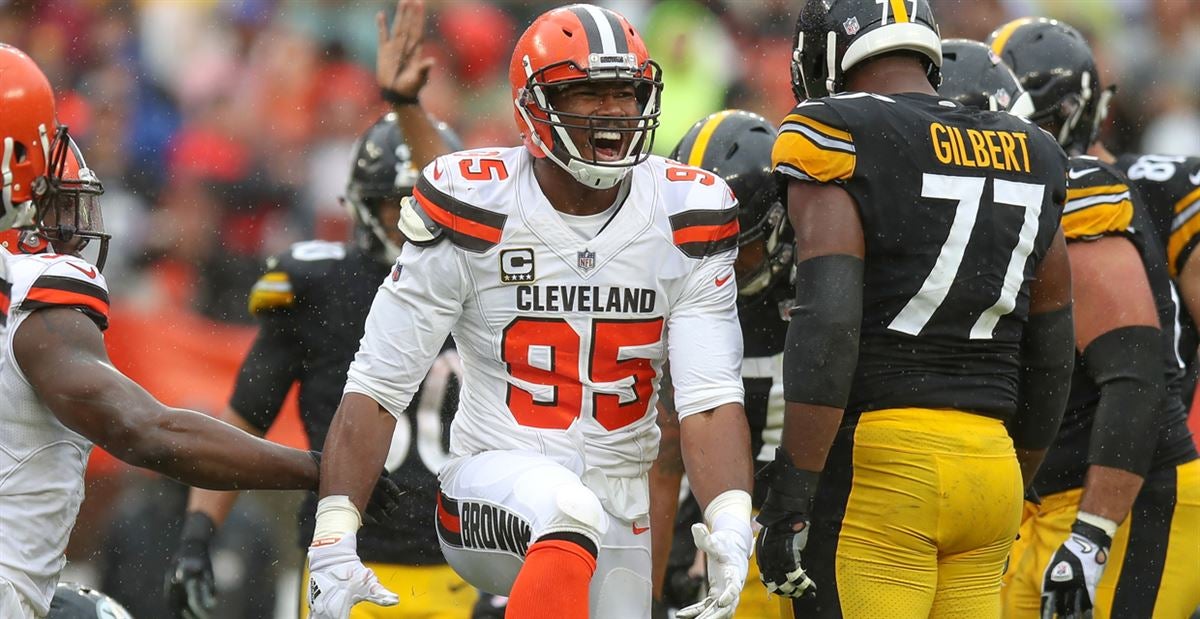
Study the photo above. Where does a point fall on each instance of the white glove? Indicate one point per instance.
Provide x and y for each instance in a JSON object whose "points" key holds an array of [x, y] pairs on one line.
{"points": [[727, 550], [337, 580]]}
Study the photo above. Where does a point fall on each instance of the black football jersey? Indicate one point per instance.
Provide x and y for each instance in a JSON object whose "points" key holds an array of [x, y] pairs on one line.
{"points": [[958, 207], [312, 304], [764, 329], [1101, 203], [1169, 187]]}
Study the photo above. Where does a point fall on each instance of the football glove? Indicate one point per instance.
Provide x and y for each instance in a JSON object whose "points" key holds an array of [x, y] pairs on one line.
{"points": [[727, 552], [785, 525], [386, 497], [190, 591], [337, 580], [1069, 583]]}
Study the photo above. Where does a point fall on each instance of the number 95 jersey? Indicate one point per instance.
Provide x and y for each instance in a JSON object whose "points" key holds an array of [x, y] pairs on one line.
{"points": [[562, 338], [958, 207]]}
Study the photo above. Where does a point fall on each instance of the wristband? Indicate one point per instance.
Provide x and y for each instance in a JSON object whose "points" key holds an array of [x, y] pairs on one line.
{"points": [[1100, 522], [336, 518], [198, 527], [396, 98], [730, 511]]}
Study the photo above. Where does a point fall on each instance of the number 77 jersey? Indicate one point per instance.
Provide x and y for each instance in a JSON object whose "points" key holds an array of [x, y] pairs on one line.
{"points": [[562, 338], [958, 207]]}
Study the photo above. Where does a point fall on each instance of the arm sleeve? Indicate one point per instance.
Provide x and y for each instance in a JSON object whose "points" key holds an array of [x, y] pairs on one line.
{"points": [[1126, 364], [1185, 229], [268, 371], [704, 339], [1099, 202], [409, 322]]}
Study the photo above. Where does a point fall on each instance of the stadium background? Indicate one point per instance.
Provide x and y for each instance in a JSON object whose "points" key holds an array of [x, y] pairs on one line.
{"points": [[222, 133]]}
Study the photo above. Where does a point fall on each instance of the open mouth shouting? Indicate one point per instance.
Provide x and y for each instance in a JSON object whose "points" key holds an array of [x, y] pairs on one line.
{"points": [[608, 145]]}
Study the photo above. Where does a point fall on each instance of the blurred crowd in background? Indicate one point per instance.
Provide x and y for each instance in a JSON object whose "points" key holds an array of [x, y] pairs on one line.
{"points": [[222, 132]]}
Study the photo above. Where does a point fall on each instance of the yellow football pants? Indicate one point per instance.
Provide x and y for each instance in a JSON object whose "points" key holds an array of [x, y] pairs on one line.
{"points": [[915, 516], [426, 592], [1154, 568]]}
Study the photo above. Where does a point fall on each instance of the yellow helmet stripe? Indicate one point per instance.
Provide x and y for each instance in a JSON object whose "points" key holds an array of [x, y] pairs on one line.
{"points": [[702, 138], [1000, 38], [899, 12]]}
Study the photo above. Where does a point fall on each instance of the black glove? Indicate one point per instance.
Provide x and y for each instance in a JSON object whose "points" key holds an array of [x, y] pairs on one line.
{"points": [[386, 499], [190, 591], [1069, 584], [785, 524]]}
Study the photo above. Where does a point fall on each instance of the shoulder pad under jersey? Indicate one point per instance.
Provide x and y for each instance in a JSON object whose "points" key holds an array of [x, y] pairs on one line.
{"points": [[701, 208], [448, 197], [814, 144], [1098, 200]]}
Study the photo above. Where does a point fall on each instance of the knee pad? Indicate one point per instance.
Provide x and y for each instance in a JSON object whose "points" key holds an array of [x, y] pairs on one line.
{"points": [[578, 510]]}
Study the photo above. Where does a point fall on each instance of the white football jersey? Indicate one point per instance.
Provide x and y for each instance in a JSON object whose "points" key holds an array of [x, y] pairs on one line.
{"points": [[562, 338], [42, 462]]}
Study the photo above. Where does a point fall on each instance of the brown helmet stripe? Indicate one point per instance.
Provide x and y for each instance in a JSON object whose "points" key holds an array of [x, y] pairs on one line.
{"points": [[603, 29]]}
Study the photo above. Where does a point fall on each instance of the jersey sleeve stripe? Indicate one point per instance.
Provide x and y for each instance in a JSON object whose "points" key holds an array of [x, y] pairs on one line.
{"points": [[5, 299], [1097, 220], [817, 137], [801, 154], [1084, 192], [53, 291], [1078, 204], [468, 226], [1184, 231], [825, 129], [701, 233], [272, 291]]}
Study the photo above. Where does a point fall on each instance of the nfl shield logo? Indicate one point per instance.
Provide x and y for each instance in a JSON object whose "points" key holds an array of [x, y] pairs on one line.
{"points": [[850, 26], [587, 260]]}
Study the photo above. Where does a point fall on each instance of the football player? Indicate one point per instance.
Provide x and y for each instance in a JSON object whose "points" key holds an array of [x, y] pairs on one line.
{"points": [[61, 392], [931, 331], [1120, 487], [736, 145], [569, 270], [312, 303]]}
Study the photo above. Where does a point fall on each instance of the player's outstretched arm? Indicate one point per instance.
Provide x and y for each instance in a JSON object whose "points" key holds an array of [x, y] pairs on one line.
{"points": [[819, 361], [1047, 360], [402, 71], [190, 585], [62, 354]]}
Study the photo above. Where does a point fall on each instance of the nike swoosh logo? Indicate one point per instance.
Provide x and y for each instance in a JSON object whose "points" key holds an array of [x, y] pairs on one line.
{"points": [[437, 171], [720, 281], [1195, 178], [1074, 174], [90, 273], [639, 530]]}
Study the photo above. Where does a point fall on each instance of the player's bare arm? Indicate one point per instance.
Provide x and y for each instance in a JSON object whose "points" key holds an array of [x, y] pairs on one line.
{"points": [[62, 354], [357, 447], [666, 475], [716, 451], [1047, 359], [1114, 307], [402, 71]]}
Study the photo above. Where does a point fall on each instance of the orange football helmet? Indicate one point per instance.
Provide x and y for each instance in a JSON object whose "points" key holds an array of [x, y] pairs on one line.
{"points": [[27, 128], [68, 215], [570, 45]]}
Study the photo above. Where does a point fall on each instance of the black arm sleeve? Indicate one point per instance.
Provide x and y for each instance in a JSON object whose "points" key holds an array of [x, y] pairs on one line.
{"points": [[1047, 360], [1126, 364], [821, 351], [267, 373]]}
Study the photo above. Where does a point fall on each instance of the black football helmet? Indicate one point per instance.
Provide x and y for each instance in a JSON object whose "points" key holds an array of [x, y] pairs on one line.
{"points": [[832, 36], [736, 145], [72, 601], [382, 169], [1055, 65], [975, 76]]}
